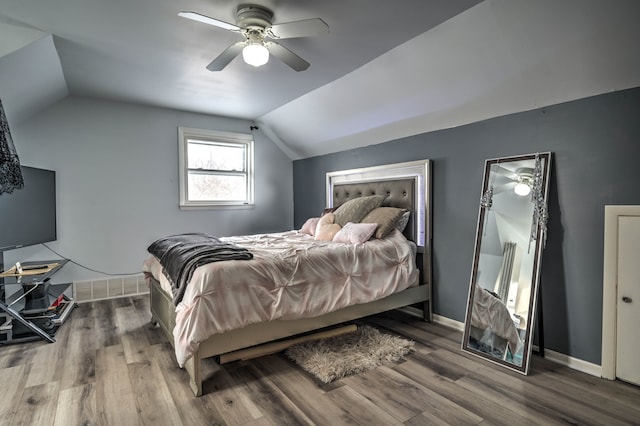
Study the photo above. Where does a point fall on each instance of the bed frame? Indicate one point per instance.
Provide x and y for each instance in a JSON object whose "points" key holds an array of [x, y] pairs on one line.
{"points": [[405, 185]]}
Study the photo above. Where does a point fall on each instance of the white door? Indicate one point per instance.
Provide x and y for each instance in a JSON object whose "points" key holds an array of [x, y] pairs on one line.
{"points": [[628, 300]]}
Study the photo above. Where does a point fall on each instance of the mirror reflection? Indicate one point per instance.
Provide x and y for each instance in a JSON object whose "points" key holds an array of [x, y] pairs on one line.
{"points": [[510, 237]]}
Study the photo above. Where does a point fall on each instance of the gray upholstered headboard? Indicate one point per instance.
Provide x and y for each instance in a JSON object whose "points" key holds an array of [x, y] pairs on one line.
{"points": [[400, 193], [405, 185]]}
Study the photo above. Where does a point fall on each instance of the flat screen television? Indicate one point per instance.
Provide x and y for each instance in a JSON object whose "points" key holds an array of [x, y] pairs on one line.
{"points": [[28, 215]]}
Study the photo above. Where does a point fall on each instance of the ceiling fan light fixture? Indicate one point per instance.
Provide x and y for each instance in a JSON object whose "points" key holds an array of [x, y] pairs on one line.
{"points": [[255, 54], [522, 188]]}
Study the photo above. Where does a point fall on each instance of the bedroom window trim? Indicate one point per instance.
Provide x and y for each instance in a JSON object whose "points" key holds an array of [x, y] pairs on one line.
{"points": [[188, 136]]}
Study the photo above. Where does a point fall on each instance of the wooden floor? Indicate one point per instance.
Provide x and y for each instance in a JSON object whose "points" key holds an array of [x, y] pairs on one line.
{"points": [[109, 368]]}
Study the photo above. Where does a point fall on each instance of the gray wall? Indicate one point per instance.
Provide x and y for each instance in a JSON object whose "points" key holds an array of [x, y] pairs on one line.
{"points": [[117, 182], [596, 149]]}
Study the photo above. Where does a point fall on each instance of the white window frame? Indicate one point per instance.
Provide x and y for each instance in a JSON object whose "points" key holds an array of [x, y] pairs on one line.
{"points": [[240, 139]]}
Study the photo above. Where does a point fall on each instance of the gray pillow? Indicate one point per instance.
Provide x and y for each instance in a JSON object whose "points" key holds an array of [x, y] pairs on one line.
{"points": [[355, 210], [385, 217], [403, 221]]}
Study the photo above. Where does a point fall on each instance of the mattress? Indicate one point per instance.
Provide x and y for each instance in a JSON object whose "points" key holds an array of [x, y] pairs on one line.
{"points": [[291, 276]]}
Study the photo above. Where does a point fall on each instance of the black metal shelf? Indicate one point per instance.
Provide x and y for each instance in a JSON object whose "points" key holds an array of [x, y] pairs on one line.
{"points": [[30, 307]]}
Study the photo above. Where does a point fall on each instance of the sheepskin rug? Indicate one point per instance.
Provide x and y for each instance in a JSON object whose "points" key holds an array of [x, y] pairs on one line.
{"points": [[336, 357]]}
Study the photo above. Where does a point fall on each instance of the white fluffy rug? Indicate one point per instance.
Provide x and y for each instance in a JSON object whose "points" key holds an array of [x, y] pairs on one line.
{"points": [[352, 353]]}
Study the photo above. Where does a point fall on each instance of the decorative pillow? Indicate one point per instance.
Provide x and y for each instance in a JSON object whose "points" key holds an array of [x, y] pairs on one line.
{"points": [[327, 232], [385, 217], [326, 229], [309, 226], [354, 210], [327, 219], [355, 233], [401, 224]]}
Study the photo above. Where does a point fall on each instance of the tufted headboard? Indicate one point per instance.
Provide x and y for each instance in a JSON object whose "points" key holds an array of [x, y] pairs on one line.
{"points": [[405, 185], [399, 192]]}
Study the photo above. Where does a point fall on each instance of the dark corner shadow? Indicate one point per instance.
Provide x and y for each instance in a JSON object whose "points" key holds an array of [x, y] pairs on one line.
{"points": [[553, 295]]}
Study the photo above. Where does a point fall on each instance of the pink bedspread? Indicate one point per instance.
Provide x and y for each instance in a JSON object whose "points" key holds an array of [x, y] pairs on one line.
{"points": [[291, 276]]}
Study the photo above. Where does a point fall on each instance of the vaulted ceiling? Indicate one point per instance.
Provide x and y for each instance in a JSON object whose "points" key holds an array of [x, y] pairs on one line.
{"points": [[384, 71]]}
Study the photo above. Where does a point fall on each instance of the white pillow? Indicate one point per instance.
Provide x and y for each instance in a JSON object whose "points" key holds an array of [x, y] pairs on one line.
{"points": [[355, 233]]}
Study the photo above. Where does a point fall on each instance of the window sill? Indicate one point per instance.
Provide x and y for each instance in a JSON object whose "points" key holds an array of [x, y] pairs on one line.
{"points": [[217, 207]]}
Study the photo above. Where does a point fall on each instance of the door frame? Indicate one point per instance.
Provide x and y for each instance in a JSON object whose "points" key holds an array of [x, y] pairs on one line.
{"points": [[612, 213]]}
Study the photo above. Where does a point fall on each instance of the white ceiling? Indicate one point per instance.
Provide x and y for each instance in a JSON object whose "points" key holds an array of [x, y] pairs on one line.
{"points": [[386, 70]]}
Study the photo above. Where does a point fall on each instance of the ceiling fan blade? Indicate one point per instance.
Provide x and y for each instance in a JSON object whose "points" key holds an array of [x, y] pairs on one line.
{"points": [[505, 172], [287, 56], [305, 28], [227, 56], [502, 188], [210, 21]]}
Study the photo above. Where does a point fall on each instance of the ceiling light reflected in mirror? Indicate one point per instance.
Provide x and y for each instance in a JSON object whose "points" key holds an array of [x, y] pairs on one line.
{"points": [[522, 188]]}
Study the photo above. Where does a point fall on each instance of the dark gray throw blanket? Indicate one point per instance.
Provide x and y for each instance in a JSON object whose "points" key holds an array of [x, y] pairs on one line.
{"points": [[181, 254]]}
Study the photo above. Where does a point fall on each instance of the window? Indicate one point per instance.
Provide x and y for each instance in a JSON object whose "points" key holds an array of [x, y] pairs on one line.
{"points": [[216, 168]]}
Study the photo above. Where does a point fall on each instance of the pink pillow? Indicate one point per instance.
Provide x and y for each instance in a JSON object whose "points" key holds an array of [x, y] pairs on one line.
{"points": [[309, 226], [355, 233]]}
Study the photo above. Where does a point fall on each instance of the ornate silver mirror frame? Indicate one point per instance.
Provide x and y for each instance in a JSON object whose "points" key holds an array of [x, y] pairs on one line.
{"points": [[510, 237]]}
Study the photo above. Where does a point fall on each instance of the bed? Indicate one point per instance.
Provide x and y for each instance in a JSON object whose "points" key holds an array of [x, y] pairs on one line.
{"points": [[376, 284], [492, 326]]}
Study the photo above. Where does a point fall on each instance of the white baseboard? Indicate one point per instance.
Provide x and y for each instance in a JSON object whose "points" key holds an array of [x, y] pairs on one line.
{"points": [[448, 322], [574, 363], [557, 357]]}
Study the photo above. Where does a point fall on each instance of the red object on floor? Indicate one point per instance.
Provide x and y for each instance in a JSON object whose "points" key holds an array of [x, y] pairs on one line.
{"points": [[58, 301]]}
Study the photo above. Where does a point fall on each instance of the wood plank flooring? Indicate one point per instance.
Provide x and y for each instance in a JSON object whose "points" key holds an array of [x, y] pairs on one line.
{"points": [[108, 367]]}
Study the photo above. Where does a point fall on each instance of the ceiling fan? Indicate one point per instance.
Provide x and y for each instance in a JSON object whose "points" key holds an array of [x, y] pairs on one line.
{"points": [[520, 180], [254, 23]]}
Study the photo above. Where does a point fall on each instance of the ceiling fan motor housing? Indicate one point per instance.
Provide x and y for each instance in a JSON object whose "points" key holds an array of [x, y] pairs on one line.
{"points": [[250, 15], [525, 173]]}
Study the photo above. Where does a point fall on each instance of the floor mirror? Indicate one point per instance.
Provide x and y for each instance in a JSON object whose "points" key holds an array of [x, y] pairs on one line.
{"points": [[510, 237]]}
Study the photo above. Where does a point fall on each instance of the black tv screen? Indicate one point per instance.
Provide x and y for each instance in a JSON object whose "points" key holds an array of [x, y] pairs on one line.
{"points": [[28, 215]]}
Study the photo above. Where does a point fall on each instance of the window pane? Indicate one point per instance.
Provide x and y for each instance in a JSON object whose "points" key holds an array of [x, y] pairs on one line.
{"points": [[215, 157], [208, 187]]}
